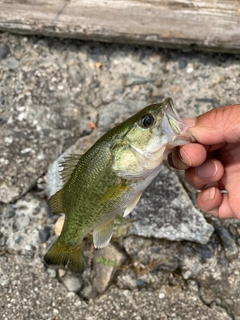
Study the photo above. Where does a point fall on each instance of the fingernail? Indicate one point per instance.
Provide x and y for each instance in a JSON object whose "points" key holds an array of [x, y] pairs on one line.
{"points": [[190, 122], [208, 194], [182, 154], [207, 170], [170, 160]]}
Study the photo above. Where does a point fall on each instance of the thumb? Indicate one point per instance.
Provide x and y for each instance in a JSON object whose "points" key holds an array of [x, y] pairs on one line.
{"points": [[220, 125]]}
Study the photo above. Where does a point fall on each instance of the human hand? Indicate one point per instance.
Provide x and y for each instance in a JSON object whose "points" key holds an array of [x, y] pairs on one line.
{"points": [[213, 163]]}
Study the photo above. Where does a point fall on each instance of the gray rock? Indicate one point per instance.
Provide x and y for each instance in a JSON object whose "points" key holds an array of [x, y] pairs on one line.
{"points": [[166, 212], [11, 63]]}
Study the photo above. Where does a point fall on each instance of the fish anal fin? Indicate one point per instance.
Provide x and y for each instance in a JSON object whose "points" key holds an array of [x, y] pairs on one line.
{"points": [[55, 202], [132, 205], [67, 256], [68, 165], [102, 234]]}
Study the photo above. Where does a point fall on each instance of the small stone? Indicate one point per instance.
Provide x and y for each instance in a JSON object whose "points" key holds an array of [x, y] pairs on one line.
{"points": [[132, 79], [127, 281], [88, 292], [104, 263], [18, 240], [10, 213], [59, 225], [182, 64], [55, 311], [186, 275], [189, 69], [62, 272], [24, 222], [72, 283], [52, 273], [161, 295], [11, 63], [192, 286], [2, 121], [169, 263], [28, 247], [204, 252], [141, 283], [98, 65], [4, 51], [42, 43], [44, 234]]}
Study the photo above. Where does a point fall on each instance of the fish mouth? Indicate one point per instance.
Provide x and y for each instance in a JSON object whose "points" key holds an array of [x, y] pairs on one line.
{"points": [[175, 130]]}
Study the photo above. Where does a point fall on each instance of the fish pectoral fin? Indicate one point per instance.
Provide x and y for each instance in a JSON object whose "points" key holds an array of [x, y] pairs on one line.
{"points": [[103, 234], [114, 192], [55, 202], [132, 205]]}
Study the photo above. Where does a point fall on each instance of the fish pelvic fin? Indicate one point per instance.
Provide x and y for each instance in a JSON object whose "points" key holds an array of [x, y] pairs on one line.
{"points": [[67, 256], [102, 234], [132, 205], [55, 202]]}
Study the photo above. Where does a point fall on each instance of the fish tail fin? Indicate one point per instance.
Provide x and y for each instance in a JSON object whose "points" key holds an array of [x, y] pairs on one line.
{"points": [[70, 256]]}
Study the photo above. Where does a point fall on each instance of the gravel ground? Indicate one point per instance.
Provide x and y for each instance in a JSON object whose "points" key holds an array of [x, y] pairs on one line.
{"points": [[57, 94]]}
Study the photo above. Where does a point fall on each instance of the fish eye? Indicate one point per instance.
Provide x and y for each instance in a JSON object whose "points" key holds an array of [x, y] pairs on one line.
{"points": [[147, 120]]}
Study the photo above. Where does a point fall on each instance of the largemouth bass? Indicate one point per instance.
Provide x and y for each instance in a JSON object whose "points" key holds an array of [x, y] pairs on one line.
{"points": [[109, 179]]}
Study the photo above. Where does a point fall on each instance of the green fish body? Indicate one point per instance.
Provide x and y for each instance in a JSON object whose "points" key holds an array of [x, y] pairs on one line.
{"points": [[109, 179]]}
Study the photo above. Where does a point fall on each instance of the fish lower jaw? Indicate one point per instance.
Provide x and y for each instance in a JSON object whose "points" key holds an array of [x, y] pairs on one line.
{"points": [[180, 140]]}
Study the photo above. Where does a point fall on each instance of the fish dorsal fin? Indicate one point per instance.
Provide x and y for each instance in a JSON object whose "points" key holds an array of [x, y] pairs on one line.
{"points": [[102, 234], [68, 165]]}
